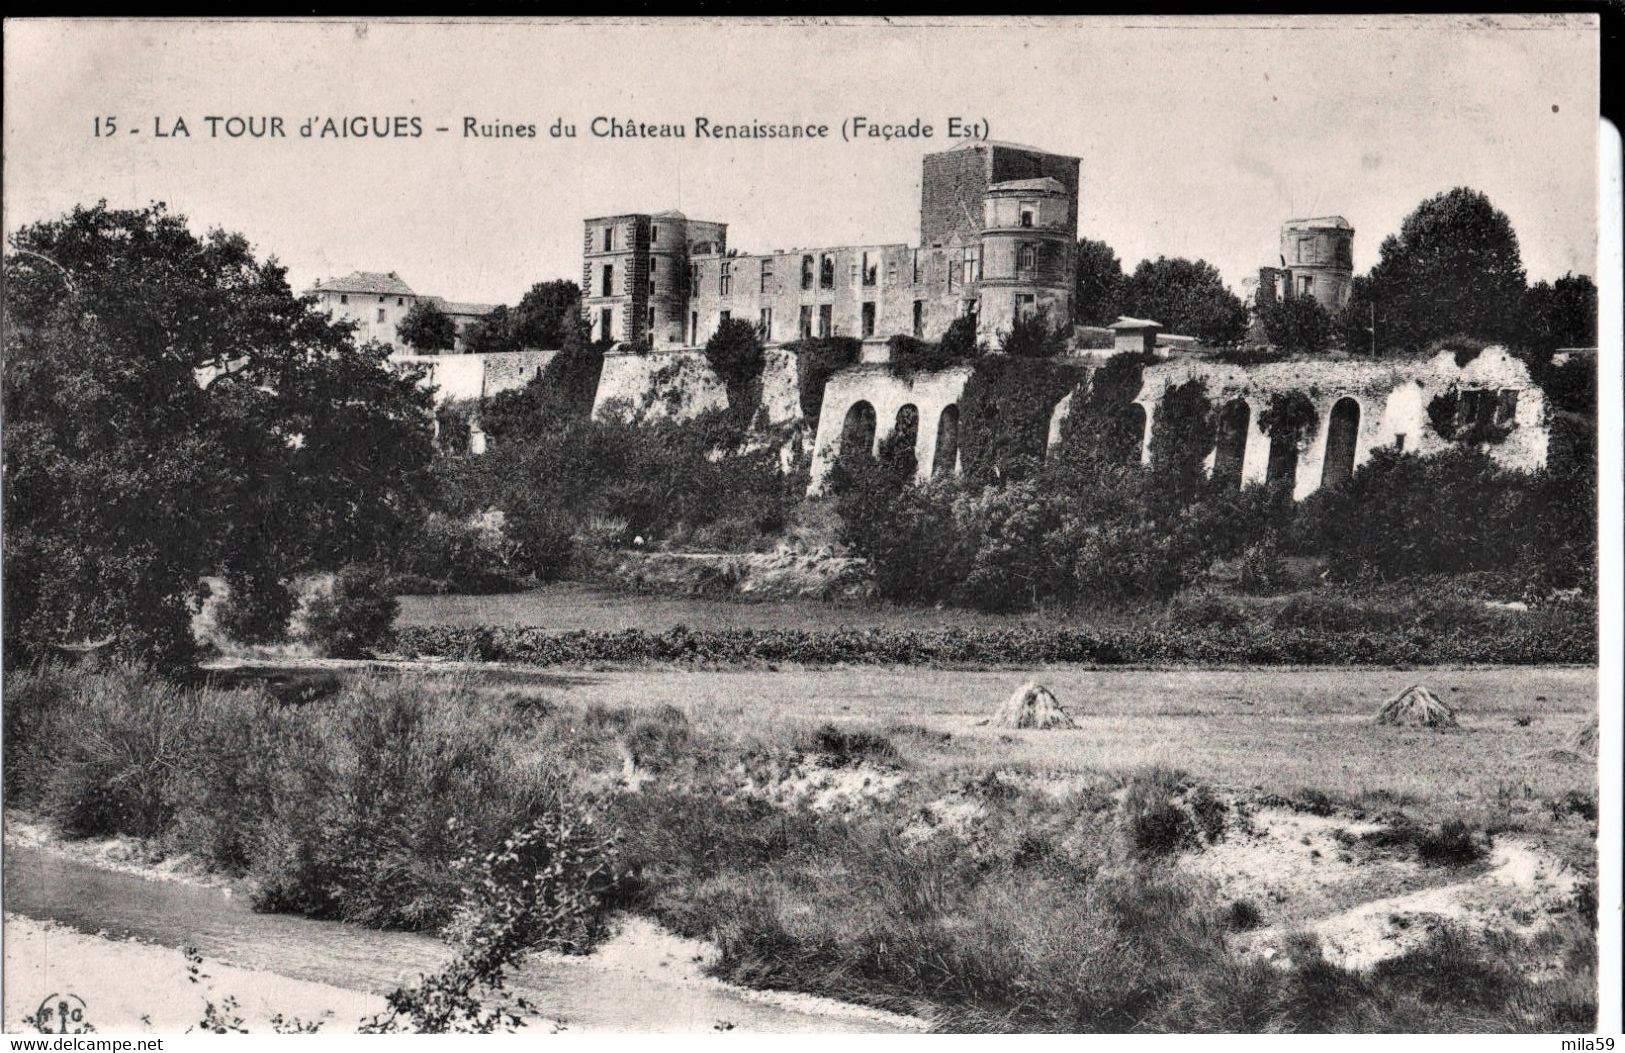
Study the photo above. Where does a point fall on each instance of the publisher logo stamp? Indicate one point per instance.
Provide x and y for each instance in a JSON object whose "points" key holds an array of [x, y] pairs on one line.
{"points": [[62, 1014]]}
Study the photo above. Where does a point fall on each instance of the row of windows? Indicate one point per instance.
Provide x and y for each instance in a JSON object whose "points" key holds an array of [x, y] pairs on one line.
{"points": [[400, 301], [865, 271]]}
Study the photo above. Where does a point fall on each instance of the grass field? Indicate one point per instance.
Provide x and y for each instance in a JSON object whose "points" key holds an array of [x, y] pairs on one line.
{"points": [[859, 834], [1276, 729], [568, 606]]}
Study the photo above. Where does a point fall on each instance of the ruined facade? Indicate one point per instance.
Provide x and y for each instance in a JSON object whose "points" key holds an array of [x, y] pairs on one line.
{"points": [[998, 237]]}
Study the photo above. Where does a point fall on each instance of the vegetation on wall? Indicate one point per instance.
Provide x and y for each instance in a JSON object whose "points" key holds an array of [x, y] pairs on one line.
{"points": [[1290, 416], [1475, 417], [1005, 414], [818, 359]]}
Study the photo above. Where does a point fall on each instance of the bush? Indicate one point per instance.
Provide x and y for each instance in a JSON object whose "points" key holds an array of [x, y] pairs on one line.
{"points": [[256, 609], [443, 553], [1402, 515], [1567, 636], [1033, 336], [1453, 844], [355, 616]]}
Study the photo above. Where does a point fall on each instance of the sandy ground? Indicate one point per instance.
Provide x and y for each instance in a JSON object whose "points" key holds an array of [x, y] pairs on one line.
{"points": [[139, 987], [143, 987]]}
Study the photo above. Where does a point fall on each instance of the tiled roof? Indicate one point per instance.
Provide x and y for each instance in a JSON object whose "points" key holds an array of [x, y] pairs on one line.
{"points": [[367, 282], [454, 307]]}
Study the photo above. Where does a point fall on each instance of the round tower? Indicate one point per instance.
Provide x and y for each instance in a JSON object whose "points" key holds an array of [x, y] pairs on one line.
{"points": [[1028, 240], [1318, 255]]}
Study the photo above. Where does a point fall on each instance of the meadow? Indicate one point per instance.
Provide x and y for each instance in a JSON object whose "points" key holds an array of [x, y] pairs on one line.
{"points": [[1194, 856]]}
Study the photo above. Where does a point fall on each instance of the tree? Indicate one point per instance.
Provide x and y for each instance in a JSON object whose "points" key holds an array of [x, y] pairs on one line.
{"points": [[1559, 314], [128, 479], [1454, 267], [1097, 291], [495, 333], [1186, 296], [546, 314], [1297, 324], [735, 353], [427, 329]]}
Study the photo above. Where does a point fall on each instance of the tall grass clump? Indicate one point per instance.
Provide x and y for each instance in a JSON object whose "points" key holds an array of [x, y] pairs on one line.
{"points": [[353, 807]]}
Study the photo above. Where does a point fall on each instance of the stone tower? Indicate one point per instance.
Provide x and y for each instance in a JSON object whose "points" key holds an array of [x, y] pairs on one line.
{"points": [[1318, 257], [1006, 217]]}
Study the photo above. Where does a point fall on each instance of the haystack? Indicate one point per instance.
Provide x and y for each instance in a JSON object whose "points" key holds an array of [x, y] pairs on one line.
{"points": [[1417, 707], [1584, 741], [1032, 706]]}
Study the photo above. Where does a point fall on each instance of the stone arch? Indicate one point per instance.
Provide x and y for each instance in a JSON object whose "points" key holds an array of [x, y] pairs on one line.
{"points": [[1230, 448], [905, 431], [945, 459], [1342, 440], [858, 430], [1135, 420], [1283, 462]]}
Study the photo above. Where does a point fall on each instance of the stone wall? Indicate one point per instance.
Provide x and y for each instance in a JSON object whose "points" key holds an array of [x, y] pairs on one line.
{"points": [[1360, 406], [680, 384], [477, 376], [872, 391], [1384, 403]]}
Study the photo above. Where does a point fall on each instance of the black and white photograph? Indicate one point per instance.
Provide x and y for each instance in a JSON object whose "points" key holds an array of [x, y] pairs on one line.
{"points": [[795, 525]]}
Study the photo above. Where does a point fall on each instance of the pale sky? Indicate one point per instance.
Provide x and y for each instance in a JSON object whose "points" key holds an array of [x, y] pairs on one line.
{"points": [[1198, 136]]}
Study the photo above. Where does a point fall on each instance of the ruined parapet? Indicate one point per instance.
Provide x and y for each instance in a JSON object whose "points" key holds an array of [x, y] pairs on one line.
{"points": [[867, 403], [1421, 405]]}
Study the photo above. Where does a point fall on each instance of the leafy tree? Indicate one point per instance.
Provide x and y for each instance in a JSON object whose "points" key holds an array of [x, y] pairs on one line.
{"points": [[1097, 291], [497, 332], [735, 353], [128, 478], [1454, 267], [427, 329], [547, 314], [1186, 296], [1559, 314], [1297, 325]]}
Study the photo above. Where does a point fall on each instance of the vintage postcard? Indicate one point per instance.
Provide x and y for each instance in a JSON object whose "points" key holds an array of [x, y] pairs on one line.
{"points": [[868, 526]]}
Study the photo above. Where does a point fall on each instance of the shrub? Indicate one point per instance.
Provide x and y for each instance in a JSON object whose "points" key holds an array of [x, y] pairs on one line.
{"points": [[1453, 844], [355, 616], [104, 746], [843, 748], [1033, 336], [1402, 515], [1243, 916], [1261, 570], [255, 611]]}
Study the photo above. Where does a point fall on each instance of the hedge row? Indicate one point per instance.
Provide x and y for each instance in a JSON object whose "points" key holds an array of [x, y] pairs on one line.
{"points": [[1545, 641]]}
